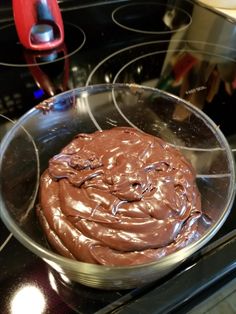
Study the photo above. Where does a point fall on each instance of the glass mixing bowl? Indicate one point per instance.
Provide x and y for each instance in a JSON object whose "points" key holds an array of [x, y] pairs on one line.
{"points": [[44, 130]]}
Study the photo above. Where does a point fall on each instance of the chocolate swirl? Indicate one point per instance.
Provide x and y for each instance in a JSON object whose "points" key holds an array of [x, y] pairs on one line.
{"points": [[119, 197]]}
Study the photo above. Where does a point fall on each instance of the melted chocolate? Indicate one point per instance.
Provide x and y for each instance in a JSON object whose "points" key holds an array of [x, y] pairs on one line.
{"points": [[119, 197]]}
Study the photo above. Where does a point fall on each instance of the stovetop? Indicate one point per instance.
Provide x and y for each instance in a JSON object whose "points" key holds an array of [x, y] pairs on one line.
{"points": [[178, 46]]}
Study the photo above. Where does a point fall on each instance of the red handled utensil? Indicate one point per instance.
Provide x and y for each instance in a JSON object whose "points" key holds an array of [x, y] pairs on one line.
{"points": [[38, 23]]}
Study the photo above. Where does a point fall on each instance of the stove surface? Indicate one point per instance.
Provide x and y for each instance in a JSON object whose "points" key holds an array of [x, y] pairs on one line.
{"points": [[177, 46]]}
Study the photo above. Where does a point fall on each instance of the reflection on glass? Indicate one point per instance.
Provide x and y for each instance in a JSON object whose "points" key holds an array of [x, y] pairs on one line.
{"points": [[52, 281], [28, 299]]}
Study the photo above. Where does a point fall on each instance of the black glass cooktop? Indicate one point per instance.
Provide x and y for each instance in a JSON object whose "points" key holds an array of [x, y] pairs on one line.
{"points": [[177, 46]]}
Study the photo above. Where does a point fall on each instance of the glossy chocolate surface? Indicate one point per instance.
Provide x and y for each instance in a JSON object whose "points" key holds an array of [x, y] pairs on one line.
{"points": [[119, 197]]}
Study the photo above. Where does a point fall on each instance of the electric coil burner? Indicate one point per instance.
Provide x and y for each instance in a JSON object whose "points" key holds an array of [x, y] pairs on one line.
{"points": [[178, 46]]}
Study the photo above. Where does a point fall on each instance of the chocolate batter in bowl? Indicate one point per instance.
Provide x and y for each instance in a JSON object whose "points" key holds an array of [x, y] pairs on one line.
{"points": [[118, 111]]}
